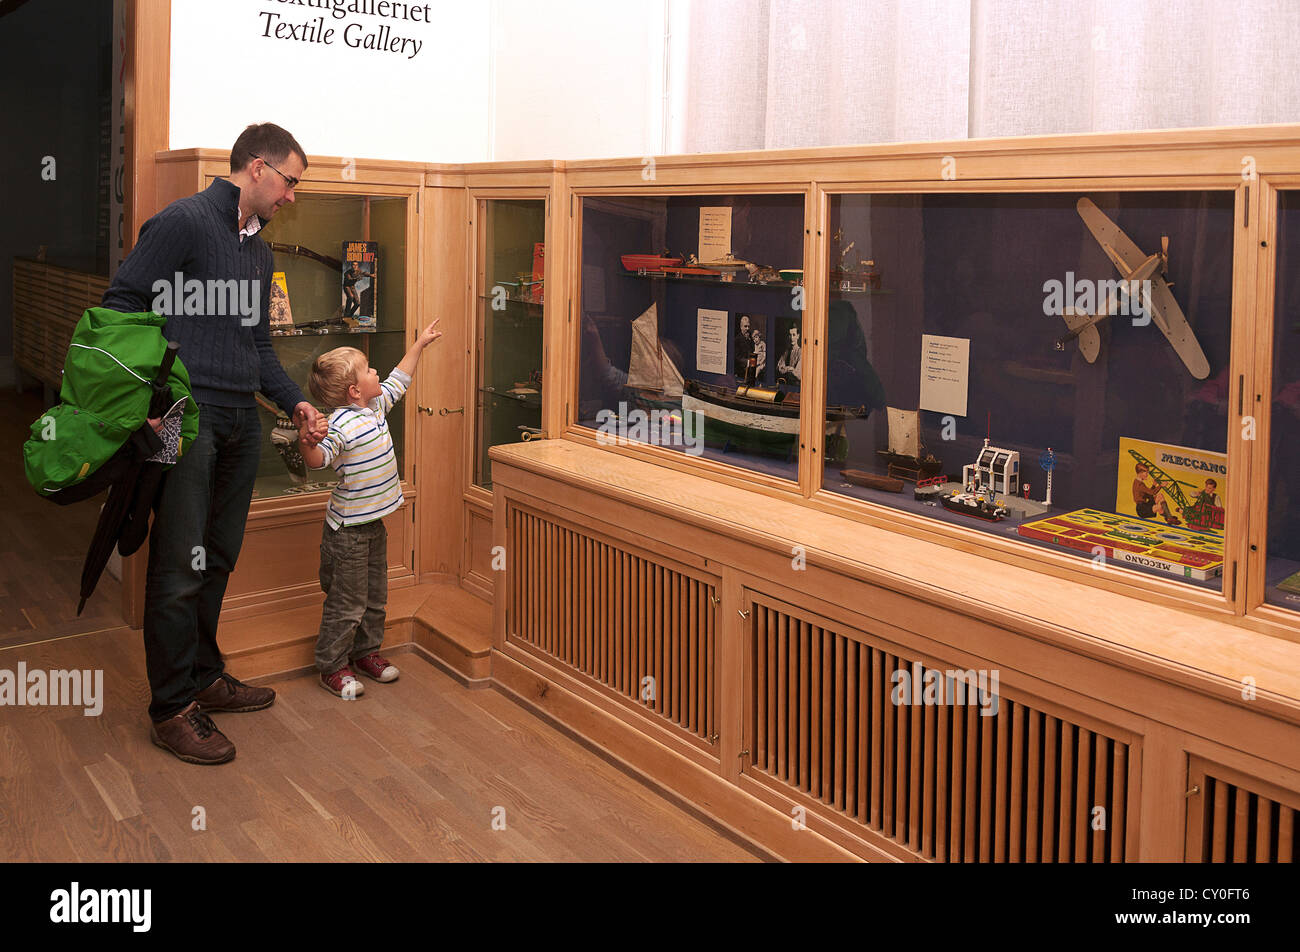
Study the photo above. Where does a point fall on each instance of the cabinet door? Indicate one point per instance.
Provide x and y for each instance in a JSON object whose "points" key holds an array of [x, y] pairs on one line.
{"points": [[320, 301], [691, 311], [1049, 368], [1233, 817], [1282, 569], [510, 304]]}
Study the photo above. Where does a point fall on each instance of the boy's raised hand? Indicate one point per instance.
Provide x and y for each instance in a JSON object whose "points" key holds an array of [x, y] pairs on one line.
{"points": [[430, 333]]}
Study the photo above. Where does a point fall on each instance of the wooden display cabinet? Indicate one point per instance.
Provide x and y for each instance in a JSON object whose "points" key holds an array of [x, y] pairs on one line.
{"points": [[514, 306], [338, 200], [771, 613]]}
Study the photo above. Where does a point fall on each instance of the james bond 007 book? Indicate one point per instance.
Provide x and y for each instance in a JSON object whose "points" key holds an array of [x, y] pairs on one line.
{"points": [[281, 314], [360, 284]]}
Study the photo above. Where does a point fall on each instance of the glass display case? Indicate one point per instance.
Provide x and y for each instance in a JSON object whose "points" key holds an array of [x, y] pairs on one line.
{"points": [[340, 281], [511, 299], [691, 337], [1047, 367], [1282, 571]]}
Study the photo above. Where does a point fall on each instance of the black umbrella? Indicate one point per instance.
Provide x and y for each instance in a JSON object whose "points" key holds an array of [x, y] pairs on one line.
{"points": [[133, 474]]}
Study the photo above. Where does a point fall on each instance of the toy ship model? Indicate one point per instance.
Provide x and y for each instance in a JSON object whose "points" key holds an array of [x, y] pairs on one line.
{"points": [[979, 504], [757, 419], [643, 262], [761, 420], [652, 376], [903, 457], [859, 477]]}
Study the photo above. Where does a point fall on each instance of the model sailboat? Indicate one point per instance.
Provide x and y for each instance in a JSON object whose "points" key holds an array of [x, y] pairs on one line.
{"points": [[903, 456], [651, 372]]}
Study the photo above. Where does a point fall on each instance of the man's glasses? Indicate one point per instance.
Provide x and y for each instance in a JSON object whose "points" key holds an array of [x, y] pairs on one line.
{"points": [[288, 179]]}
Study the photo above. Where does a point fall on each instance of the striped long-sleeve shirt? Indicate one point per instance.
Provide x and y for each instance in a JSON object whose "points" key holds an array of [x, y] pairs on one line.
{"points": [[360, 449]]}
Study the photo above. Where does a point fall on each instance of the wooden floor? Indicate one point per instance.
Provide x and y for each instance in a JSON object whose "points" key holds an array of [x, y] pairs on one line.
{"points": [[415, 770], [43, 545]]}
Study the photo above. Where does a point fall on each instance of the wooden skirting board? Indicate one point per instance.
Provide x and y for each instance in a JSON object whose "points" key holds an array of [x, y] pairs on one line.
{"points": [[448, 623]]}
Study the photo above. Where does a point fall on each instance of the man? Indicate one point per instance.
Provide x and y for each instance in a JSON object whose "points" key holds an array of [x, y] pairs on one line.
{"points": [[211, 238], [1147, 497], [743, 348]]}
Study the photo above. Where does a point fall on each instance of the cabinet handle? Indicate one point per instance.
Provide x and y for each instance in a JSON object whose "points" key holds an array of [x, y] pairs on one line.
{"points": [[742, 612], [1194, 791], [716, 601], [443, 412]]}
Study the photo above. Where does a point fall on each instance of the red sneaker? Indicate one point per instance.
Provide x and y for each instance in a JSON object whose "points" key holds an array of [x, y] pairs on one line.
{"points": [[377, 667], [343, 683]]}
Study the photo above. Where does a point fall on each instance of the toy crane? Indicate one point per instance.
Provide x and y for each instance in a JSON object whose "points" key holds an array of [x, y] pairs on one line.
{"points": [[1202, 514]]}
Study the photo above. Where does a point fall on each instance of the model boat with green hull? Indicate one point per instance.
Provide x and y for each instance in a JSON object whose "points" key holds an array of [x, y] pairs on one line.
{"points": [[759, 420], [750, 419]]}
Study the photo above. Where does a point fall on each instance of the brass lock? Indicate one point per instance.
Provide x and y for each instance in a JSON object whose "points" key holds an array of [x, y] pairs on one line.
{"points": [[444, 411]]}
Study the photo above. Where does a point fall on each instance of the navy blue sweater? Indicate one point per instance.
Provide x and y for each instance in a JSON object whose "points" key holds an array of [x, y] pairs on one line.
{"points": [[222, 327]]}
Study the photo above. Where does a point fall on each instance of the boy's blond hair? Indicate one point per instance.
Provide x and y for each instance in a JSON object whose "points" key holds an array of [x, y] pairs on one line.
{"points": [[332, 373]]}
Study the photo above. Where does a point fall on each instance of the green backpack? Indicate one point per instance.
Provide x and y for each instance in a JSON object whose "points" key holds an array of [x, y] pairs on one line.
{"points": [[105, 398]]}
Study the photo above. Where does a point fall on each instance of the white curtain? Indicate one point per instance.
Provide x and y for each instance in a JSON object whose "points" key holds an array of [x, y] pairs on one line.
{"points": [[768, 74], [755, 74], [1041, 67]]}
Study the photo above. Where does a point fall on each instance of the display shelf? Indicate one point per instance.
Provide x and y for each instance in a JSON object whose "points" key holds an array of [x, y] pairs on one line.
{"points": [[533, 400], [357, 333], [741, 280]]}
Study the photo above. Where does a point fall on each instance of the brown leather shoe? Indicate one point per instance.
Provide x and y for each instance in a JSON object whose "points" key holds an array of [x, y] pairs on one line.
{"points": [[192, 737], [232, 696]]}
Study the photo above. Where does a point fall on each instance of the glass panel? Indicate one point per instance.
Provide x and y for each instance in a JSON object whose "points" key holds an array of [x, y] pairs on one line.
{"points": [[696, 347], [1002, 401], [511, 296], [312, 314], [1282, 573]]}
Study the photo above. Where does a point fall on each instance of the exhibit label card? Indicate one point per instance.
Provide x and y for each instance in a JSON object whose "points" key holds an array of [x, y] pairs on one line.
{"points": [[711, 340], [945, 373], [715, 233]]}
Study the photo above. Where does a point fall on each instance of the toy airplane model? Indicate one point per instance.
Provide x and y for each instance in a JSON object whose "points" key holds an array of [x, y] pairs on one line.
{"points": [[1134, 266]]}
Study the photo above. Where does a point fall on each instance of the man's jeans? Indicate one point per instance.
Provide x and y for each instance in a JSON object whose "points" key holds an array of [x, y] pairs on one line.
{"points": [[197, 533], [354, 576]]}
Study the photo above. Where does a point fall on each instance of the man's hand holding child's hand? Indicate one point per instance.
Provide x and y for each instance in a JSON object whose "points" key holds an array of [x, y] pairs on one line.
{"points": [[312, 430]]}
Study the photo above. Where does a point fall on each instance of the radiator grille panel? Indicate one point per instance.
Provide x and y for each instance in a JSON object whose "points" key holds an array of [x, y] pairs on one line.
{"points": [[940, 779], [1241, 826], [637, 626]]}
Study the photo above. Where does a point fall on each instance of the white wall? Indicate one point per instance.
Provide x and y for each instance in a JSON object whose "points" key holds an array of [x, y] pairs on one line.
{"points": [[335, 99], [504, 79], [578, 79]]}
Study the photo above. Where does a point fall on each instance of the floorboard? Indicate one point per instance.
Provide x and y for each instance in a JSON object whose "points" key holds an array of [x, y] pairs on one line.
{"points": [[421, 769]]}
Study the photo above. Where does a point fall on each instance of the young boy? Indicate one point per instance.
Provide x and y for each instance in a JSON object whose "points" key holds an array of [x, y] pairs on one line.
{"points": [[354, 542]]}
